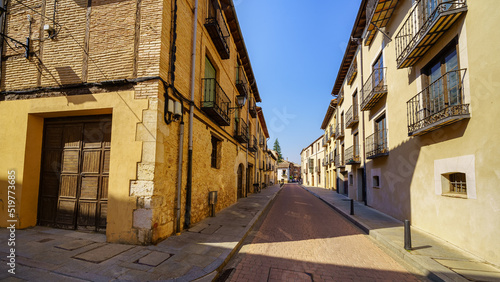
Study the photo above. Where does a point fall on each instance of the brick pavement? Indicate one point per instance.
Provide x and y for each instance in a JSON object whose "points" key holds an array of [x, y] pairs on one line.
{"points": [[302, 239]]}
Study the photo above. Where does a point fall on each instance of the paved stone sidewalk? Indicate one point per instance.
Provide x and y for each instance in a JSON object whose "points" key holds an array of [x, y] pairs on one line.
{"points": [[431, 256], [47, 254]]}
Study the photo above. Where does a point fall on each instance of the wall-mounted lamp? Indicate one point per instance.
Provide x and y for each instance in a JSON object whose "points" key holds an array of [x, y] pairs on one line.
{"points": [[174, 110], [240, 100]]}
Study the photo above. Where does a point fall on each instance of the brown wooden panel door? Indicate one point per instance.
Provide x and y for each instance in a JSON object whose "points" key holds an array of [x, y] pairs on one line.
{"points": [[75, 172]]}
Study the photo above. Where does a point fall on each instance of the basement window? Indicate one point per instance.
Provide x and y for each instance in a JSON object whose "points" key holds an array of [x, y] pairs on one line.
{"points": [[376, 181], [454, 184]]}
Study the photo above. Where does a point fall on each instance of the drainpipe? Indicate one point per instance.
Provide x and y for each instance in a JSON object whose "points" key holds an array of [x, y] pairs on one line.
{"points": [[187, 216], [363, 187]]}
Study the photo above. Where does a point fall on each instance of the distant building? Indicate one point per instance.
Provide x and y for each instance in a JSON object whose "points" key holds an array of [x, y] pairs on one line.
{"points": [[312, 169]]}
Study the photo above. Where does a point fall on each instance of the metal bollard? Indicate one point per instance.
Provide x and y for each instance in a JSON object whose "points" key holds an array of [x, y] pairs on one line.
{"points": [[407, 235], [352, 207]]}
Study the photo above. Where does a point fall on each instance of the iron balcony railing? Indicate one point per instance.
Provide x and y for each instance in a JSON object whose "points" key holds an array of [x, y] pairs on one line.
{"points": [[352, 155], [374, 88], [318, 169], [331, 133], [376, 145], [252, 147], [217, 29], [339, 131], [330, 159], [439, 104], [339, 161], [351, 116], [340, 96], [241, 81], [261, 142], [253, 107], [241, 130], [426, 22], [215, 102], [353, 71]]}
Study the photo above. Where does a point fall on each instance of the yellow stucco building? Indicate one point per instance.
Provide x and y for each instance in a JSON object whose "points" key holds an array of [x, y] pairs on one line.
{"points": [[416, 117], [126, 126]]}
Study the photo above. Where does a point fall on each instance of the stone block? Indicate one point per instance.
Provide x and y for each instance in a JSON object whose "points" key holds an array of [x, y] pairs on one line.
{"points": [[143, 218], [141, 188]]}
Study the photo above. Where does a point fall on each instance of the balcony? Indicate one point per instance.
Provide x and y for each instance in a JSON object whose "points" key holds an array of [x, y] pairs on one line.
{"points": [[374, 89], [425, 24], [351, 117], [352, 155], [339, 162], [340, 96], [376, 145], [378, 12], [318, 169], [241, 81], [215, 102], [353, 71], [438, 105], [262, 142], [253, 107], [324, 143], [217, 29], [252, 146], [241, 130], [339, 132]]}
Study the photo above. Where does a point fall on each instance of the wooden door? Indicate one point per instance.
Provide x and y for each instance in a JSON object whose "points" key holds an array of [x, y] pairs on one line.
{"points": [[75, 173]]}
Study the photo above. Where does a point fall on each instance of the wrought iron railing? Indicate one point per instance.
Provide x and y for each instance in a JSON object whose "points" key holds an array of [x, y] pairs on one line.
{"points": [[339, 161], [351, 116], [241, 132], [340, 96], [420, 21], [376, 144], [215, 101], [253, 107], [352, 155], [374, 86], [241, 81], [353, 71], [339, 131], [441, 100], [217, 28], [253, 144]]}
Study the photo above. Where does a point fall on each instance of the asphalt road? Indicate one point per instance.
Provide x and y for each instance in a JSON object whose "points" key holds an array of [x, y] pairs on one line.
{"points": [[302, 239]]}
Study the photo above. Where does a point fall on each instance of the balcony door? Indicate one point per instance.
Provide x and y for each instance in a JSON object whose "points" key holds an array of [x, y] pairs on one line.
{"points": [[380, 134], [444, 82], [378, 74], [210, 83]]}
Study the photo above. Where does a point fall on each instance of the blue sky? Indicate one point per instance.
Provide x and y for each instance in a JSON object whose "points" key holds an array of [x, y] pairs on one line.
{"points": [[295, 49]]}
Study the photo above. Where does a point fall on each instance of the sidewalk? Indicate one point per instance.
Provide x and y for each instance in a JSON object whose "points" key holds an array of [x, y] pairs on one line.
{"points": [[431, 256], [47, 254]]}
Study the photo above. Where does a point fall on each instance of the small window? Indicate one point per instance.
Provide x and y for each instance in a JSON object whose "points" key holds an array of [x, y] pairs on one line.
{"points": [[216, 151], [454, 183], [376, 181], [351, 179]]}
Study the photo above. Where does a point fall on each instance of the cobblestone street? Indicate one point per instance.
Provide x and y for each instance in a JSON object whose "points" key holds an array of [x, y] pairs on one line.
{"points": [[302, 239]]}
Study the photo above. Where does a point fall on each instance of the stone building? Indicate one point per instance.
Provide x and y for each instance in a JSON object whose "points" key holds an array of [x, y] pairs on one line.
{"points": [[312, 159], [417, 117], [122, 116]]}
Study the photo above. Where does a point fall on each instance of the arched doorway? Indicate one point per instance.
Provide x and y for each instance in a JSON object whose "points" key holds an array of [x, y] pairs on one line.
{"points": [[240, 182]]}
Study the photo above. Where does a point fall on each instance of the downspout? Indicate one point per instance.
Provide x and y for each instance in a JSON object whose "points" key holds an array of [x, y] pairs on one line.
{"points": [[187, 216], [363, 187]]}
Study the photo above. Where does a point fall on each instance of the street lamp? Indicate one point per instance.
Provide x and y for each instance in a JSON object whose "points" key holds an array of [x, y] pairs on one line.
{"points": [[240, 101]]}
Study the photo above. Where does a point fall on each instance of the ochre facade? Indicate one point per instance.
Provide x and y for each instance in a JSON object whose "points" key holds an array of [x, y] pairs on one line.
{"points": [[418, 107], [114, 58]]}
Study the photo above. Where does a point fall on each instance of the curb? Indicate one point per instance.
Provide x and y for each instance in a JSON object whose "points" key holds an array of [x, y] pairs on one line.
{"points": [[420, 264], [214, 274]]}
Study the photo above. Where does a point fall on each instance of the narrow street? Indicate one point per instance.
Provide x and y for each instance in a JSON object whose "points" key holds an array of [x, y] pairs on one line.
{"points": [[302, 239]]}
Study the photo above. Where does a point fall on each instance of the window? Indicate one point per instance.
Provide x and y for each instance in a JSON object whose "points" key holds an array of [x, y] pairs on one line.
{"points": [[356, 146], [378, 74], [351, 179], [442, 78], [455, 183], [216, 151], [376, 181], [380, 134]]}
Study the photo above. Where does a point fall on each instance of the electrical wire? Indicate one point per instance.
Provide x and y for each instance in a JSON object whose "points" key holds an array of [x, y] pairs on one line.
{"points": [[69, 33]]}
